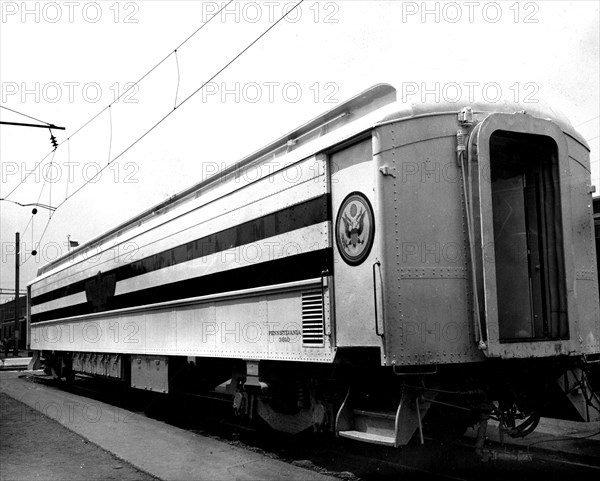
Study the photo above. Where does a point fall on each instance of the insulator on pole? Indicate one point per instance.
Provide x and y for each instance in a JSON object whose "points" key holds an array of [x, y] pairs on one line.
{"points": [[53, 140]]}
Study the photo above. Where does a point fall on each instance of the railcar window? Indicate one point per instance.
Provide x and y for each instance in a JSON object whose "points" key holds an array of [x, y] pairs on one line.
{"points": [[528, 242]]}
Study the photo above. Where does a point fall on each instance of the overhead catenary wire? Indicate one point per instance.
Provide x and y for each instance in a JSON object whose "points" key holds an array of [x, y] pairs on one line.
{"points": [[27, 205], [588, 120], [168, 114], [83, 126], [127, 90], [69, 163], [24, 179], [110, 133], [37, 203], [25, 115]]}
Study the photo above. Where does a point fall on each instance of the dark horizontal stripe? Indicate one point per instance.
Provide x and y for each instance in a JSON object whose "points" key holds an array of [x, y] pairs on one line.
{"points": [[310, 212], [287, 269]]}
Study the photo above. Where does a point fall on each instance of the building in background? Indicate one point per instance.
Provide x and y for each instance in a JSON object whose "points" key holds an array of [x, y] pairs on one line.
{"points": [[7, 321], [596, 202]]}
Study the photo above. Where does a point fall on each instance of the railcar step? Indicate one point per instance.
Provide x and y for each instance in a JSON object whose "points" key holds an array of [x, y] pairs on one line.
{"points": [[375, 414], [377, 422], [368, 437]]}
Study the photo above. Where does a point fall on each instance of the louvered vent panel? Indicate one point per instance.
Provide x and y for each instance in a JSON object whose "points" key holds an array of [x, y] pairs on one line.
{"points": [[312, 319]]}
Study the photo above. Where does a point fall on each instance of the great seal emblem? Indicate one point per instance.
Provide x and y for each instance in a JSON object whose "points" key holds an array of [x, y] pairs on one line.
{"points": [[355, 228]]}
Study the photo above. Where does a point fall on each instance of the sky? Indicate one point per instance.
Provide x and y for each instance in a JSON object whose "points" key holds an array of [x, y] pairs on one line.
{"points": [[65, 63]]}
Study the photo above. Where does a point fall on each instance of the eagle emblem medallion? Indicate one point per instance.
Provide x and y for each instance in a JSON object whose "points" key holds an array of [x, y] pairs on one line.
{"points": [[355, 228]]}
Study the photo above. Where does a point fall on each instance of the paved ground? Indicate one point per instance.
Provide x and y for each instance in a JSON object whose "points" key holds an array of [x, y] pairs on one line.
{"points": [[33, 446], [162, 450]]}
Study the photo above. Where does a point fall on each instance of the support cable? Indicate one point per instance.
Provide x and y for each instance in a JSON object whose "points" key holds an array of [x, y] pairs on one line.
{"points": [[178, 79], [39, 242], [588, 120], [24, 231], [69, 164], [184, 101], [124, 92], [110, 133]]}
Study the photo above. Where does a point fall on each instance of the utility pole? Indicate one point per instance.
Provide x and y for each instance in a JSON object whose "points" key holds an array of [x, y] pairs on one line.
{"points": [[17, 262]]}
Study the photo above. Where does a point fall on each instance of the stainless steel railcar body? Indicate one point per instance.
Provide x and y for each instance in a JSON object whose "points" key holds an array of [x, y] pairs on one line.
{"points": [[237, 266], [429, 235], [528, 194]]}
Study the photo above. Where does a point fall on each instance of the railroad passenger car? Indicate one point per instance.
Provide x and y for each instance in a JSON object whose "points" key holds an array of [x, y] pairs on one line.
{"points": [[389, 272]]}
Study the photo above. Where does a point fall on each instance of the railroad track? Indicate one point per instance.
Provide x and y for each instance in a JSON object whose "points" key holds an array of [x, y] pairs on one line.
{"points": [[341, 458]]}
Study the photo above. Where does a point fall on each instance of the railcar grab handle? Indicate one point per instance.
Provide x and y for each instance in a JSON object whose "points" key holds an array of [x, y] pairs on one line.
{"points": [[377, 264]]}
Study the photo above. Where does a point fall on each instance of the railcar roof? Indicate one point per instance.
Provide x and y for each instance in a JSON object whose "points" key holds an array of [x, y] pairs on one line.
{"points": [[369, 101], [540, 109]]}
